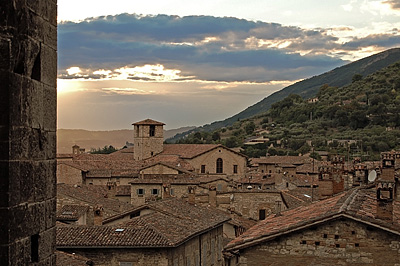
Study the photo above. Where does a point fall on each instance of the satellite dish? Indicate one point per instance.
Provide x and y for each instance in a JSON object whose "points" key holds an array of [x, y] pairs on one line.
{"points": [[372, 176]]}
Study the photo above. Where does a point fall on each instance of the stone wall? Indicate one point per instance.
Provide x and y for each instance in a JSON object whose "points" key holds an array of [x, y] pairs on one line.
{"points": [[28, 71], [249, 203], [340, 242], [209, 159]]}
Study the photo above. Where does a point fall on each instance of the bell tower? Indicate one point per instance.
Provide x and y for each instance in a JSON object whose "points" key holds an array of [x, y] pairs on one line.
{"points": [[148, 138]]}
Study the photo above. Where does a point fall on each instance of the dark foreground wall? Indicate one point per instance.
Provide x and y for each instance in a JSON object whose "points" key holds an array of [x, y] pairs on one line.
{"points": [[28, 69]]}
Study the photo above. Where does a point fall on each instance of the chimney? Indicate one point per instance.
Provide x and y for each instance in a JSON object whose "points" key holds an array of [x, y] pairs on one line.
{"points": [[98, 215], [385, 188], [191, 196], [166, 191], [111, 190], [212, 196]]}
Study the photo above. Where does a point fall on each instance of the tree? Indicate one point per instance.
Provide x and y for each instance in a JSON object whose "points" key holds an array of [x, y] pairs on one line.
{"points": [[105, 150], [356, 78], [249, 127]]}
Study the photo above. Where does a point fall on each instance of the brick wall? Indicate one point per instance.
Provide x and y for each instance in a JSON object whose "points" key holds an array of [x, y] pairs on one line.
{"points": [[340, 242], [28, 70]]}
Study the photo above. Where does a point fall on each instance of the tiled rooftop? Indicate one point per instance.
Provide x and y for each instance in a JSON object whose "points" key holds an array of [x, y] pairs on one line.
{"points": [[149, 122], [71, 212], [172, 222], [93, 195], [68, 259], [295, 160], [359, 204]]}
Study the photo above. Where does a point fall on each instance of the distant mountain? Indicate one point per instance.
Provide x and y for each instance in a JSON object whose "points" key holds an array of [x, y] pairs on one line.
{"points": [[308, 88], [87, 139]]}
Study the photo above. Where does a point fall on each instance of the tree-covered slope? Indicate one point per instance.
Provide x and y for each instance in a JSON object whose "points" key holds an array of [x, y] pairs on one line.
{"points": [[307, 88]]}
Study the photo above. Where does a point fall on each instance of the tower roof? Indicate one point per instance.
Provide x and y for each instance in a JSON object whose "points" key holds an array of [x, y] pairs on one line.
{"points": [[149, 122]]}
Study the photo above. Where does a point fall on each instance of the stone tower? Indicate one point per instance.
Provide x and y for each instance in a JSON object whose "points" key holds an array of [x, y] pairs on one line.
{"points": [[28, 114], [148, 138]]}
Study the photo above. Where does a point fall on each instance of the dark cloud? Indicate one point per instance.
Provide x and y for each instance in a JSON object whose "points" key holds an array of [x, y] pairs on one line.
{"points": [[395, 4], [198, 45], [382, 40]]}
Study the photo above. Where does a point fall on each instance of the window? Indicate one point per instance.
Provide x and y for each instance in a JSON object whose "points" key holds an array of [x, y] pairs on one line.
{"points": [[219, 187], [203, 169], [152, 131], [154, 191], [140, 192], [137, 131], [219, 166], [261, 214], [235, 169], [171, 191]]}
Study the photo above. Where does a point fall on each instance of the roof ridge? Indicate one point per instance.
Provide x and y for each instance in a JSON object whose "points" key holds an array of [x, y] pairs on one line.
{"points": [[348, 202]]}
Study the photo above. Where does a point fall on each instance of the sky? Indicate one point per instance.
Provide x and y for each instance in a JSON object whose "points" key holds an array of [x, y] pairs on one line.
{"points": [[190, 63]]}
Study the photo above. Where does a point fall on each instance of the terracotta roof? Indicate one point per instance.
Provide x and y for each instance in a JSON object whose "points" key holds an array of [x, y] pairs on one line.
{"points": [[299, 196], [358, 204], [64, 259], [172, 223], [190, 151], [93, 195], [149, 122], [71, 212], [295, 160]]}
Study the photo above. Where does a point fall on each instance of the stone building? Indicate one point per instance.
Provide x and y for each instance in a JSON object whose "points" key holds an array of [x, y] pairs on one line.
{"points": [[172, 232], [357, 227], [149, 158], [28, 71]]}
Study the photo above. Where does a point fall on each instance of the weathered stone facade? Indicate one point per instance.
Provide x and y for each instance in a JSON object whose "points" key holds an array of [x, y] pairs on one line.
{"points": [[148, 138], [28, 70], [340, 242]]}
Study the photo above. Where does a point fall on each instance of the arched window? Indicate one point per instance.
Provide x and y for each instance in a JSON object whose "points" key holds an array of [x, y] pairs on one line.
{"points": [[220, 168]]}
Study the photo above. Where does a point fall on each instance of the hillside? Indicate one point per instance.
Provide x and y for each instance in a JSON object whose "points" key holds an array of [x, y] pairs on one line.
{"points": [[66, 138], [361, 119], [308, 88]]}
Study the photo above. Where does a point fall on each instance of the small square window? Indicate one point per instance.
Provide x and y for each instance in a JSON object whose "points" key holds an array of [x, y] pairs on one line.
{"points": [[140, 191], [154, 191], [356, 245], [303, 242]]}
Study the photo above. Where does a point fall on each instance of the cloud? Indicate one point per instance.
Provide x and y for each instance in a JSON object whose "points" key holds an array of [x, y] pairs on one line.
{"points": [[395, 4], [181, 44]]}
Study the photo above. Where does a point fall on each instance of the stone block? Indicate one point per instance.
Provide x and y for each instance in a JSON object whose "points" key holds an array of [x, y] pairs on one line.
{"points": [[5, 54], [4, 184], [4, 253], [48, 66], [36, 104], [4, 221], [50, 218], [19, 143], [47, 243], [14, 98], [27, 181], [14, 188], [50, 35], [49, 99]]}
